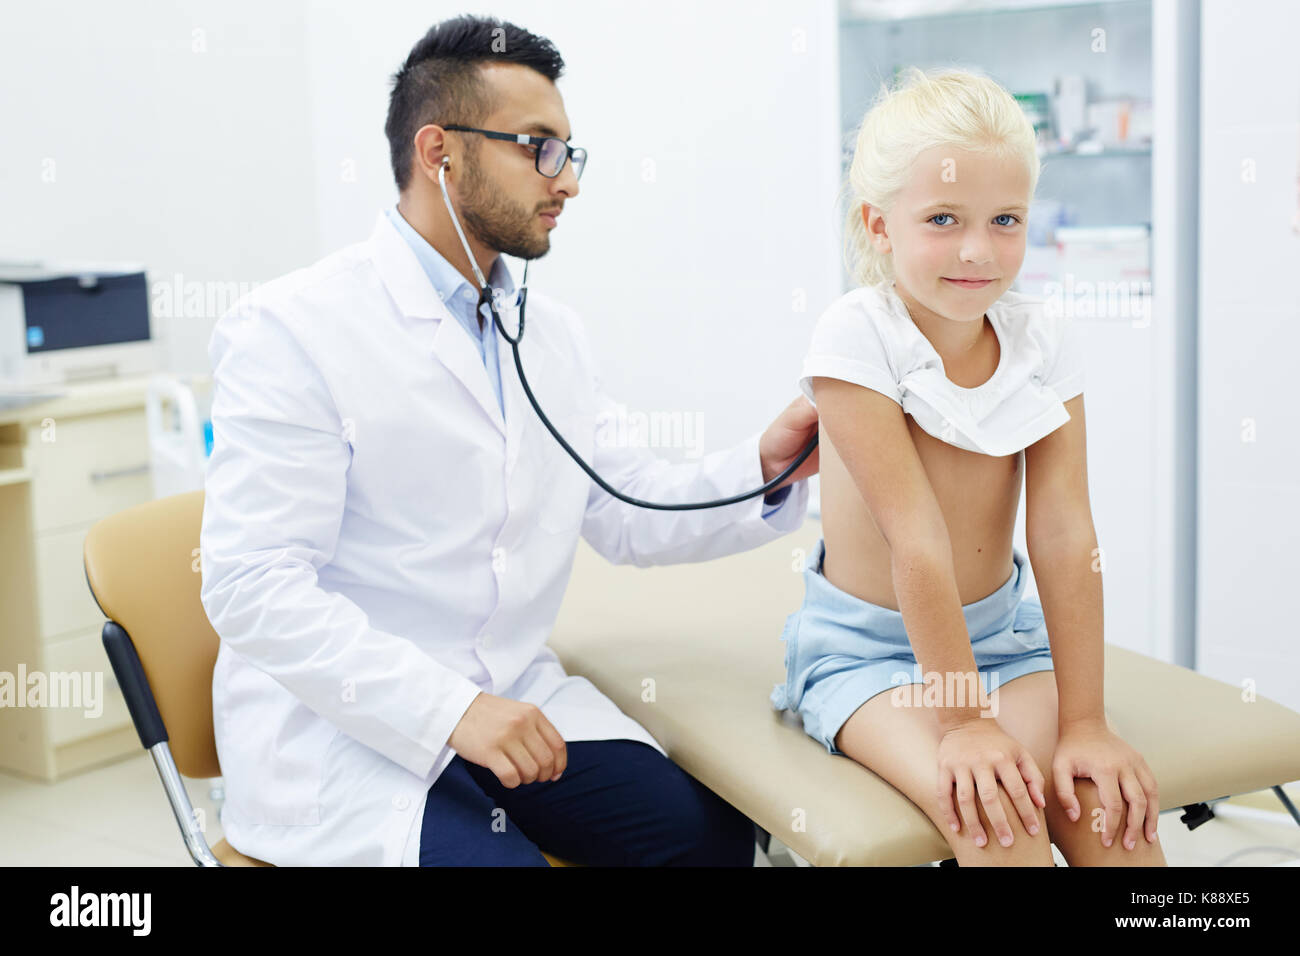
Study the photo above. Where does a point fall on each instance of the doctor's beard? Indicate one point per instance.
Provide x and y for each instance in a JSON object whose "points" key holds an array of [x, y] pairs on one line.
{"points": [[499, 223]]}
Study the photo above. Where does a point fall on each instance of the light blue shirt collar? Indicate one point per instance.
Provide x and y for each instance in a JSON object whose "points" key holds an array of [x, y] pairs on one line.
{"points": [[447, 280]]}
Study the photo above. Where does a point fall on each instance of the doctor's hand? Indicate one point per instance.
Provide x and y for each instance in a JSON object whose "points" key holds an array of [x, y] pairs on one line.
{"points": [[785, 438], [512, 739]]}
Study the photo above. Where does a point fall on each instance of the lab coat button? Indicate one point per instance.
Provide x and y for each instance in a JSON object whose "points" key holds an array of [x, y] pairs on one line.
{"points": [[401, 801]]}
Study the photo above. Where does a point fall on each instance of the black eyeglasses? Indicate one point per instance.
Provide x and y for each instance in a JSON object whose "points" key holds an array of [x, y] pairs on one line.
{"points": [[550, 152]]}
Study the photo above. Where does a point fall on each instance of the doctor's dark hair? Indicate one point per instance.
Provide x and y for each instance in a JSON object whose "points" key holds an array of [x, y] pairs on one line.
{"points": [[440, 82], [946, 107]]}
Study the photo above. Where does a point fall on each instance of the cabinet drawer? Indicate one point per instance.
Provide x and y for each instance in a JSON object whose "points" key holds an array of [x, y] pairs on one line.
{"points": [[62, 594], [78, 656], [94, 466]]}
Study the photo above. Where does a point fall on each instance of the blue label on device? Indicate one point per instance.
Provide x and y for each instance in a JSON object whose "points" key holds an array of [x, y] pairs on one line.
{"points": [[35, 336]]}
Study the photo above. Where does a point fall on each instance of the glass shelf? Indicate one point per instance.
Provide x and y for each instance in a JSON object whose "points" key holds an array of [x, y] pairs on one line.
{"points": [[1100, 154]]}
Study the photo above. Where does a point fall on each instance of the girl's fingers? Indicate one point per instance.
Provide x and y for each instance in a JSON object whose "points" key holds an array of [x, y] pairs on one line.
{"points": [[1153, 800], [1033, 778], [945, 800], [1112, 805], [988, 790], [1063, 778], [966, 804], [1018, 790], [1137, 806]]}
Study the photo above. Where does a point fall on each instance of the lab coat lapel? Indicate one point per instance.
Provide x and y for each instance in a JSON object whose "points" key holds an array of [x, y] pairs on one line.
{"points": [[452, 346], [417, 299]]}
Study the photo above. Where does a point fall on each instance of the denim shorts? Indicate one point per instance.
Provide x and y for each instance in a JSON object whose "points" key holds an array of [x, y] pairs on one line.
{"points": [[841, 651]]}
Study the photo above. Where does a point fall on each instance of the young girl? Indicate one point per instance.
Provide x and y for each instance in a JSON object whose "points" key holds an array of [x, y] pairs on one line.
{"points": [[939, 390]]}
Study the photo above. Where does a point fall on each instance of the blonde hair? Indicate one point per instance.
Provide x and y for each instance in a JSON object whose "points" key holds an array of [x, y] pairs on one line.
{"points": [[949, 107]]}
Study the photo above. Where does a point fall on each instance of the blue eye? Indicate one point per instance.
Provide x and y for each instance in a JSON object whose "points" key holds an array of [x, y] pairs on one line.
{"points": [[1006, 215]]}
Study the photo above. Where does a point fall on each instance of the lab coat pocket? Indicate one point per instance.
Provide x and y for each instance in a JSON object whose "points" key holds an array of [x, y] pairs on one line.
{"points": [[272, 749]]}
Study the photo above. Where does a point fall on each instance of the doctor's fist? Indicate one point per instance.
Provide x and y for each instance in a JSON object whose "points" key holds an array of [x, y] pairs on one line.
{"points": [[512, 739]]}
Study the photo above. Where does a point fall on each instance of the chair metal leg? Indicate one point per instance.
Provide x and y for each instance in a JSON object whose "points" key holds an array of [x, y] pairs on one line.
{"points": [[181, 806], [148, 722]]}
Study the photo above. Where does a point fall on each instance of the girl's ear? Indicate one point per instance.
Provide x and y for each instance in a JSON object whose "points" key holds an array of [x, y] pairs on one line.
{"points": [[866, 223]]}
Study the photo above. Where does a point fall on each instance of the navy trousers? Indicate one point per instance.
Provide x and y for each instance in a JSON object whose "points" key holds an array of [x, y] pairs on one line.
{"points": [[618, 803]]}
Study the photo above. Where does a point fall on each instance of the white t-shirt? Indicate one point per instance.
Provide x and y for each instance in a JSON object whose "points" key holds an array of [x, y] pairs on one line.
{"points": [[868, 337]]}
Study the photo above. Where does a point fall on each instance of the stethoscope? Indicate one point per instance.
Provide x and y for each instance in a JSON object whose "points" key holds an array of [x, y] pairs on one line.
{"points": [[485, 296]]}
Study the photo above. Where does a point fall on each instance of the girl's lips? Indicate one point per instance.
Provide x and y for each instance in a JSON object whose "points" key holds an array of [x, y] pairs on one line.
{"points": [[968, 284]]}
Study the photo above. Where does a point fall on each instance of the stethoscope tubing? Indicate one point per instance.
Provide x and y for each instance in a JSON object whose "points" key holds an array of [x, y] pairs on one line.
{"points": [[485, 297]]}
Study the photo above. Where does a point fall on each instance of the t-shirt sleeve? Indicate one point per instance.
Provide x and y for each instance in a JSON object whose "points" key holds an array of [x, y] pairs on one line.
{"points": [[1065, 376], [847, 344]]}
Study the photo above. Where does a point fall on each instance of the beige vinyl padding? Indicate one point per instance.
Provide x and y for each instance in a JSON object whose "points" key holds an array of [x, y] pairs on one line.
{"points": [[142, 566], [692, 652]]}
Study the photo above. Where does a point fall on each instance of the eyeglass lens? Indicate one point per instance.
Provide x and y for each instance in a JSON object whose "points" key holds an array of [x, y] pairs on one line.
{"points": [[551, 157]]}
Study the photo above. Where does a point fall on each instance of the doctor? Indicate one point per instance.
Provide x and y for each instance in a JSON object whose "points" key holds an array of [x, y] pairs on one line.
{"points": [[388, 528]]}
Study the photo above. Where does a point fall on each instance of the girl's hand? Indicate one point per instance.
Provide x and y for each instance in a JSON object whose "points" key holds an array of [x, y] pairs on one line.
{"points": [[1092, 749], [972, 756]]}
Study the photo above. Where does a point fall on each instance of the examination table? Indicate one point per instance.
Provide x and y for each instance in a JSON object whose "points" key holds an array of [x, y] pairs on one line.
{"points": [[708, 638]]}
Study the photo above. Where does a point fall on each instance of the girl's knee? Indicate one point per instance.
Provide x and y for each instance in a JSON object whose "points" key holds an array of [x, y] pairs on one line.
{"points": [[1080, 840]]}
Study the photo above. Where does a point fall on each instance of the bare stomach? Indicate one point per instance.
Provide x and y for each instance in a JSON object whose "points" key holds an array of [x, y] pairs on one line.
{"points": [[978, 495]]}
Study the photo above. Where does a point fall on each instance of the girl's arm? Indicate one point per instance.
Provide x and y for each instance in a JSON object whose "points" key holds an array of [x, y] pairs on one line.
{"points": [[1063, 552], [869, 432], [1064, 555]]}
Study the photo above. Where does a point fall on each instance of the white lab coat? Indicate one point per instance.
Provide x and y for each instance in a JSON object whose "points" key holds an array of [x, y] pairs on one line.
{"points": [[378, 546]]}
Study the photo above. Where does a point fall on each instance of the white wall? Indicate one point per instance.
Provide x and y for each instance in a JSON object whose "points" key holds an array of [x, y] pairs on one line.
{"points": [[173, 134], [1249, 503]]}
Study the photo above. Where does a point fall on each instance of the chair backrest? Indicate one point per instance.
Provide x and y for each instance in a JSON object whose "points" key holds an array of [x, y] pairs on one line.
{"points": [[142, 565]]}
